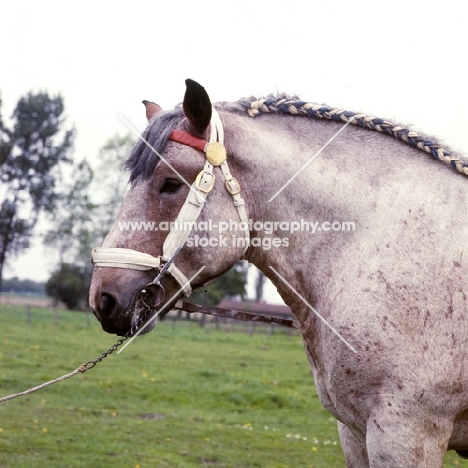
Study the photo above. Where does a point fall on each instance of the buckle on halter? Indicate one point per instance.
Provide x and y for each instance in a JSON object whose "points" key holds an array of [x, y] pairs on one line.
{"points": [[205, 181], [233, 190]]}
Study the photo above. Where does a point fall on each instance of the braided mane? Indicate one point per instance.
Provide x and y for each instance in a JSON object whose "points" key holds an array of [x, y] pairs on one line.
{"points": [[292, 106]]}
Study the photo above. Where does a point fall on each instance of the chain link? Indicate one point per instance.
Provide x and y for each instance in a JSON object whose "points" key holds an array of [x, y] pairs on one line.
{"points": [[90, 364]]}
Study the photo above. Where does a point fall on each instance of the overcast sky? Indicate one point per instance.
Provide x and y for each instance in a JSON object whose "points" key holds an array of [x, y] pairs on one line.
{"points": [[405, 61]]}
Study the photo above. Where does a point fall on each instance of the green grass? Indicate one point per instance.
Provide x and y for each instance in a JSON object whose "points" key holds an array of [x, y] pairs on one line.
{"points": [[179, 397]]}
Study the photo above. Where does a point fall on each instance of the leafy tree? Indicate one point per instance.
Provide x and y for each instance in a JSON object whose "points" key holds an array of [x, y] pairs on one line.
{"points": [[68, 285], [109, 185], [259, 285], [72, 238], [73, 219], [84, 214], [30, 154], [231, 284]]}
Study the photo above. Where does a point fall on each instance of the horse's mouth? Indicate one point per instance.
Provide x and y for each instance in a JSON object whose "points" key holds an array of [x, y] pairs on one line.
{"points": [[143, 320], [148, 305], [146, 311]]}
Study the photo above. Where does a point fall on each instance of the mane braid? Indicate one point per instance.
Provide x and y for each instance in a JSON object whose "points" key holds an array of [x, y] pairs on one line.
{"points": [[320, 111]]}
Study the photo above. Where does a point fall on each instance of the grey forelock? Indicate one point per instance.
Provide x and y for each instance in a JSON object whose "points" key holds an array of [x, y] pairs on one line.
{"points": [[144, 157]]}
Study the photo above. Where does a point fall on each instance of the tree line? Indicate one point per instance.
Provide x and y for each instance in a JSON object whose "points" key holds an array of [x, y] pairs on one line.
{"points": [[23, 286], [40, 178]]}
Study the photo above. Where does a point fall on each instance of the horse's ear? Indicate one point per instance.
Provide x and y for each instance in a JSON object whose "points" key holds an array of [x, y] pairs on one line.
{"points": [[197, 107], [151, 108]]}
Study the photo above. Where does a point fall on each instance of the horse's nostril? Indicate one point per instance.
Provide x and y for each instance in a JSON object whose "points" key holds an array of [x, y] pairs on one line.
{"points": [[108, 303]]}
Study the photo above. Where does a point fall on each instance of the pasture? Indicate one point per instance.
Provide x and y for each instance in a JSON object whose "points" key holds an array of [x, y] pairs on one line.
{"points": [[182, 396]]}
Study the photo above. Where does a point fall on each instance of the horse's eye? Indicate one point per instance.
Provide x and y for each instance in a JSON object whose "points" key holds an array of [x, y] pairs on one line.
{"points": [[170, 186]]}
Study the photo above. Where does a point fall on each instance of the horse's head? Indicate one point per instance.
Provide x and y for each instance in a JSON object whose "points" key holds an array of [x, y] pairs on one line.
{"points": [[146, 262]]}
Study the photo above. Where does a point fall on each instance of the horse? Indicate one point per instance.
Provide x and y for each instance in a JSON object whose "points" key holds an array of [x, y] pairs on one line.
{"points": [[381, 305]]}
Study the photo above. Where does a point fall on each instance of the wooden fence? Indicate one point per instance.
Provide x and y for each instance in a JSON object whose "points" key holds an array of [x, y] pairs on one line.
{"points": [[28, 304], [230, 325]]}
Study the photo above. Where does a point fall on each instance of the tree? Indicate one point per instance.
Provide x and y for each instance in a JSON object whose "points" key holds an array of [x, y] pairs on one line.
{"points": [[30, 154], [68, 285], [89, 202], [259, 285], [85, 211], [231, 285], [19, 286], [110, 184], [73, 219], [72, 238]]}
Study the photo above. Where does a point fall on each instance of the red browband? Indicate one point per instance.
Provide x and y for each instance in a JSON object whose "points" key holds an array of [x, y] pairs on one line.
{"points": [[186, 138]]}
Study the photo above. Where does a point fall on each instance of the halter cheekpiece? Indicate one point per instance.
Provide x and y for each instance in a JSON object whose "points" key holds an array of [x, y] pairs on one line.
{"points": [[216, 156]]}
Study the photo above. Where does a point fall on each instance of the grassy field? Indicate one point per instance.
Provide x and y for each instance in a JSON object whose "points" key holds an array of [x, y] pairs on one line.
{"points": [[179, 397]]}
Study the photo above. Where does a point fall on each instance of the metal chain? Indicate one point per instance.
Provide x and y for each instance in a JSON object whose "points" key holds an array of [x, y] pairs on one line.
{"points": [[91, 364], [82, 369]]}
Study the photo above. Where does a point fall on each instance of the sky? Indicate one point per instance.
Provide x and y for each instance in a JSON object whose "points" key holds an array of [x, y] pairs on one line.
{"points": [[404, 61]]}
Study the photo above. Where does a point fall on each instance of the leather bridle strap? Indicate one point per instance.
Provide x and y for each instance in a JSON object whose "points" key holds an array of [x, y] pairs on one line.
{"points": [[216, 156], [188, 139], [116, 257]]}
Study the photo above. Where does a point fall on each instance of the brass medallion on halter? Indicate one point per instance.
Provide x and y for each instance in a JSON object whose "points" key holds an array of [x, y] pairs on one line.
{"points": [[215, 153]]}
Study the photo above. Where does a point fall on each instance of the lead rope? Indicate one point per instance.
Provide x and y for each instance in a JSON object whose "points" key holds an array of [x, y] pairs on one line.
{"points": [[79, 370]]}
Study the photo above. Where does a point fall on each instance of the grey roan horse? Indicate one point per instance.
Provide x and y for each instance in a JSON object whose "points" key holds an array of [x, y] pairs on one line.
{"points": [[382, 307]]}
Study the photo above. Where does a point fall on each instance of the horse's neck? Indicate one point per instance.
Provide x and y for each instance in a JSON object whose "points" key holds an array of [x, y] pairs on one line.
{"points": [[361, 177]]}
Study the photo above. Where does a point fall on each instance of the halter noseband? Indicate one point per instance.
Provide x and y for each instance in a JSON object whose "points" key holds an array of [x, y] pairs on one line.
{"points": [[215, 157]]}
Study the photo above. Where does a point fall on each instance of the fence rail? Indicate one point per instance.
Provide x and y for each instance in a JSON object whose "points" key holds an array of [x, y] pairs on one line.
{"points": [[31, 309], [233, 319]]}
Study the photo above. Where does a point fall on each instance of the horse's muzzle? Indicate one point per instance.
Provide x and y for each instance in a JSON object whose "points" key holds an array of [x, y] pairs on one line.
{"points": [[122, 317]]}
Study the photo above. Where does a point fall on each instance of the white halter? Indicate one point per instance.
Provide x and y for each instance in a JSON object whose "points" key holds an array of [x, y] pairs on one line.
{"points": [[189, 213]]}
